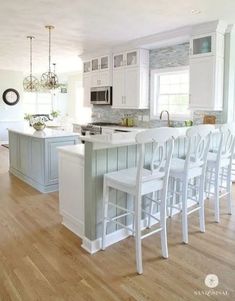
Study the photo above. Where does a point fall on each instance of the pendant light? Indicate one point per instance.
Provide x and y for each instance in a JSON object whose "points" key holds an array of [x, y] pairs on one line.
{"points": [[49, 80], [30, 83]]}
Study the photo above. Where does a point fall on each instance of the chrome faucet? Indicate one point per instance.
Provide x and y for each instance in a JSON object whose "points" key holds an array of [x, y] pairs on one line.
{"points": [[168, 116]]}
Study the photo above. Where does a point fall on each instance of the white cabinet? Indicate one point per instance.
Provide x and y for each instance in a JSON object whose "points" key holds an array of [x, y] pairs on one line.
{"points": [[131, 79], [99, 70], [101, 79], [130, 88], [207, 45], [207, 70], [71, 188], [131, 58]]}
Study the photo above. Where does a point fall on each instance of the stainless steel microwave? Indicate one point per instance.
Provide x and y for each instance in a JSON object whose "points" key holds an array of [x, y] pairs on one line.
{"points": [[101, 96]]}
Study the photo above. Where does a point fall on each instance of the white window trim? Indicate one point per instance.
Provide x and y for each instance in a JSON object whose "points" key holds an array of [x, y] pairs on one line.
{"points": [[153, 92]]}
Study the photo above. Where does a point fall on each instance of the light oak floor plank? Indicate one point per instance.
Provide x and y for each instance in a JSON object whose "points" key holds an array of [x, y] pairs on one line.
{"points": [[41, 260]]}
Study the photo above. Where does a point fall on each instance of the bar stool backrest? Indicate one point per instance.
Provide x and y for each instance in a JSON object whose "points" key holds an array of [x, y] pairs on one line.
{"points": [[227, 141], [163, 144], [198, 145]]}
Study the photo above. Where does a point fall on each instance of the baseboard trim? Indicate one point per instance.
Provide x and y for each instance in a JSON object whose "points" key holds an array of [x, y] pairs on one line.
{"points": [[41, 188], [73, 224], [93, 246]]}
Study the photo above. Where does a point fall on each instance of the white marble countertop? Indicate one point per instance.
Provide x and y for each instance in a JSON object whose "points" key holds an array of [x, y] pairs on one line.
{"points": [[74, 150], [120, 139], [46, 133]]}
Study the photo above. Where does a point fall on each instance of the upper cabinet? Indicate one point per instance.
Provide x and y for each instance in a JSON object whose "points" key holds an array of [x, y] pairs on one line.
{"points": [[132, 58], [99, 70], [207, 66], [131, 79], [101, 63]]}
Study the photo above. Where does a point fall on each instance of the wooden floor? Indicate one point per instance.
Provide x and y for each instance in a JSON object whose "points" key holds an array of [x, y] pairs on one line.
{"points": [[42, 260]]}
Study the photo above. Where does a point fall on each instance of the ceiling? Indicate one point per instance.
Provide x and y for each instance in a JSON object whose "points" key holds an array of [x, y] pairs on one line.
{"points": [[87, 25]]}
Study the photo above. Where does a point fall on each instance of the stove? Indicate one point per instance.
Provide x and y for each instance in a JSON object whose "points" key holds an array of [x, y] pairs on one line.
{"points": [[95, 128], [104, 123]]}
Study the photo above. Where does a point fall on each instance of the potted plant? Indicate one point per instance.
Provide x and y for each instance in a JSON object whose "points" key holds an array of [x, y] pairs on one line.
{"points": [[55, 114]]}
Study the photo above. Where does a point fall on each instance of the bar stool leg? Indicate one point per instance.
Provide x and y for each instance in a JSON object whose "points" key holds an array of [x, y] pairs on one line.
{"points": [[105, 213], [138, 247], [216, 194], [184, 211], [172, 199], [229, 190], [201, 204], [163, 231], [153, 195]]}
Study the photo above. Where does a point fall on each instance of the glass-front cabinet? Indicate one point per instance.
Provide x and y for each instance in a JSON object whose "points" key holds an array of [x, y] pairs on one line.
{"points": [[104, 62], [118, 60], [202, 45], [86, 67], [131, 58], [97, 64]]}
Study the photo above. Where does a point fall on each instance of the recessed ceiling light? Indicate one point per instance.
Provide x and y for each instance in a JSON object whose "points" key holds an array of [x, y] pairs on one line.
{"points": [[195, 11]]}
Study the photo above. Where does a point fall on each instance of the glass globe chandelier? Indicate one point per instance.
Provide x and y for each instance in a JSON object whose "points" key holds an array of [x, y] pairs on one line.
{"points": [[30, 83], [49, 80]]}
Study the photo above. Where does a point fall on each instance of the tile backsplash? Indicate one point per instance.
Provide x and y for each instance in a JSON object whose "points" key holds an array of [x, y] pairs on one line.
{"points": [[173, 56]]}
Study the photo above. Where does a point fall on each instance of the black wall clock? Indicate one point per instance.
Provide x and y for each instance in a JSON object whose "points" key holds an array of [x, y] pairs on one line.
{"points": [[11, 97]]}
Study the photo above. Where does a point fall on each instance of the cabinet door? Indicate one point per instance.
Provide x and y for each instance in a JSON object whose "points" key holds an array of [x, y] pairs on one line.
{"points": [[132, 58], [95, 79], [104, 78], [202, 83], [202, 45], [37, 162], [132, 87], [95, 64], [86, 91], [118, 60], [24, 154], [118, 88], [104, 62], [86, 67]]}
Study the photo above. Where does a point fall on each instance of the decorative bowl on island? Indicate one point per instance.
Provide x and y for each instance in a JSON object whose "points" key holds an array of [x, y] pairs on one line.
{"points": [[39, 126], [39, 123]]}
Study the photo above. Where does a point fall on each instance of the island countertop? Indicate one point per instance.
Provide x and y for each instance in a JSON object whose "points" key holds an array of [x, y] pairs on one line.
{"points": [[120, 139], [46, 133]]}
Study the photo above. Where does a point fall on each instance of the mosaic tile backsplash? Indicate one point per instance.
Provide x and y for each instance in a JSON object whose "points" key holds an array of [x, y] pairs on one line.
{"points": [[174, 56]]}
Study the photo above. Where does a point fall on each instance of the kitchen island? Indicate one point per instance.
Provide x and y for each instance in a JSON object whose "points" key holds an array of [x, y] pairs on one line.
{"points": [[33, 155], [81, 173], [81, 206]]}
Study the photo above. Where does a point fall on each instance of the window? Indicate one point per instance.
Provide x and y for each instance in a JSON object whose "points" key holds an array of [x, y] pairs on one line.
{"points": [[37, 103], [170, 91]]}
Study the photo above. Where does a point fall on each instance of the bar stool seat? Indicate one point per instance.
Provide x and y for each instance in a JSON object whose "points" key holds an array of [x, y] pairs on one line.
{"points": [[212, 159], [126, 179], [178, 167]]}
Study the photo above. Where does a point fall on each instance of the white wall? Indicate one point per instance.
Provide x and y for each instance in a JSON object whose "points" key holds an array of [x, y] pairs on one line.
{"points": [[11, 79], [76, 111], [10, 116]]}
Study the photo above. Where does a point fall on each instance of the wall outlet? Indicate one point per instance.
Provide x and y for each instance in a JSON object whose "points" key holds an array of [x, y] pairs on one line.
{"points": [[146, 118], [140, 117]]}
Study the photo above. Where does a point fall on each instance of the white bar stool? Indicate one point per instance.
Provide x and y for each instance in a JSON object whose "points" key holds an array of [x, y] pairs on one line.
{"points": [[219, 170], [188, 175], [139, 182]]}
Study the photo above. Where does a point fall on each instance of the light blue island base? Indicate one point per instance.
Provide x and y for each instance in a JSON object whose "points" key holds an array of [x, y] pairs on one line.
{"points": [[34, 156]]}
